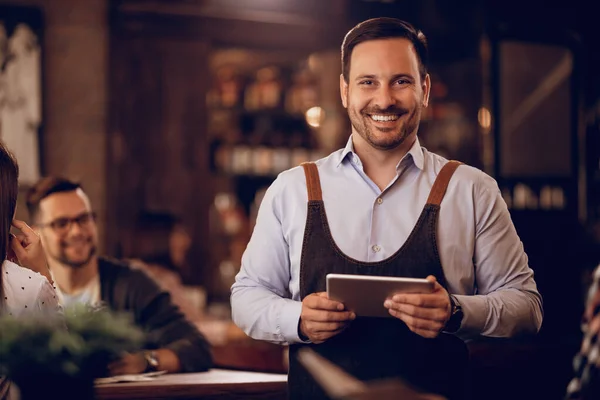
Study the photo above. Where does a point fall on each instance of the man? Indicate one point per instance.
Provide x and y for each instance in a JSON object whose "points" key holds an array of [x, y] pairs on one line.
{"points": [[394, 209], [62, 215]]}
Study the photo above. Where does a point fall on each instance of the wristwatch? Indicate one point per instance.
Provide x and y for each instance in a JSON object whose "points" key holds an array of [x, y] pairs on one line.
{"points": [[151, 361], [456, 316]]}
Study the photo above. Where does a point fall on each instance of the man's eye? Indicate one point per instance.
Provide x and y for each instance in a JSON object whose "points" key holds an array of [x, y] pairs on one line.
{"points": [[61, 223]]}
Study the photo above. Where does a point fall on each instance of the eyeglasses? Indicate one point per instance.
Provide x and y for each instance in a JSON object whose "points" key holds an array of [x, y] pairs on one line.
{"points": [[63, 225]]}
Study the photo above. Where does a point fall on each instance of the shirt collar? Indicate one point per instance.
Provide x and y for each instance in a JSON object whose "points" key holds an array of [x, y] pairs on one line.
{"points": [[416, 153], [349, 149]]}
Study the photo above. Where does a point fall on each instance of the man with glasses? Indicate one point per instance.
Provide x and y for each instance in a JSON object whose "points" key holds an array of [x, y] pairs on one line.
{"points": [[61, 213]]}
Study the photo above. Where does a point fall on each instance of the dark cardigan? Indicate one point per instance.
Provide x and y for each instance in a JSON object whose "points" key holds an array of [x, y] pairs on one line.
{"points": [[124, 289]]}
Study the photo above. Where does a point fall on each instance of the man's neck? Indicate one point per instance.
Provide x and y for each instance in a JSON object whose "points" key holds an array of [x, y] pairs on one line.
{"points": [[380, 165], [71, 280]]}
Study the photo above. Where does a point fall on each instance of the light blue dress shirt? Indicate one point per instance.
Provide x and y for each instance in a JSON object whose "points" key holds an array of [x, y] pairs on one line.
{"points": [[481, 254]]}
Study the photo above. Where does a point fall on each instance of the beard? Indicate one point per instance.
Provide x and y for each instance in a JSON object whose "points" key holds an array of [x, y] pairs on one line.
{"points": [[408, 123], [64, 259]]}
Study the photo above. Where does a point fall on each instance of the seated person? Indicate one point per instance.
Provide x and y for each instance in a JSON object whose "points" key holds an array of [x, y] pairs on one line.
{"points": [[160, 249], [62, 215], [22, 290]]}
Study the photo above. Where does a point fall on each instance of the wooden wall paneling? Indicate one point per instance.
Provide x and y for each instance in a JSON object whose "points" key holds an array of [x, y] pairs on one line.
{"points": [[159, 156], [159, 152]]}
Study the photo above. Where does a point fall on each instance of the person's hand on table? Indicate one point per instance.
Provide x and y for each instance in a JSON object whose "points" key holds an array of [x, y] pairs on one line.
{"points": [[128, 364]]}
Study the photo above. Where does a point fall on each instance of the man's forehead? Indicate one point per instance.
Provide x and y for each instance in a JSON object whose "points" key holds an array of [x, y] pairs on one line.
{"points": [[372, 55], [65, 204]]}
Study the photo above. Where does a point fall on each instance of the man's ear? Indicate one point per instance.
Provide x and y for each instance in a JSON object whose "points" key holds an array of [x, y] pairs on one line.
{"points": [[426, 86], [344, 91]]}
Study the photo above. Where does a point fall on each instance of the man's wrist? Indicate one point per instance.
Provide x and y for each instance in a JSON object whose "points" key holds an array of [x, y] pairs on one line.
{"points": [[151, 358], [456, 316], [301, 334]]}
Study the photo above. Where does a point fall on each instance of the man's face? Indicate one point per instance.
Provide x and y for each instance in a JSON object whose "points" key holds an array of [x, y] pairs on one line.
{"points": [[384, 94], [67, 228]]}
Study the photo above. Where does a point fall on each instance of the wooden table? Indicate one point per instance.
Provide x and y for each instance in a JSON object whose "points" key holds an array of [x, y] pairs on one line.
{"points": [[232, 349], [214, 384]]}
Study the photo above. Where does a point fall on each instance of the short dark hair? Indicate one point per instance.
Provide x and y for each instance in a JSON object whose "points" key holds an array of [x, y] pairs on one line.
{"points": [[44, 188], [384, 28]]}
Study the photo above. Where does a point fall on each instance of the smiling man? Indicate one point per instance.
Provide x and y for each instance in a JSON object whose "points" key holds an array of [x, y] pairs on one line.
{"points": [[393, 209], [62, 215]]}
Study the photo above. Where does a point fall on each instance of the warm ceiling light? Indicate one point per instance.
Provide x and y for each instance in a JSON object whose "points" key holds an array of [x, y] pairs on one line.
{"points": [[314, 116], [485, 118]]}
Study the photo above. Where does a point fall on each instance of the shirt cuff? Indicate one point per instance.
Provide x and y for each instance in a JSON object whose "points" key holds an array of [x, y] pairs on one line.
{"points": [[475, 311], [289, 317]]}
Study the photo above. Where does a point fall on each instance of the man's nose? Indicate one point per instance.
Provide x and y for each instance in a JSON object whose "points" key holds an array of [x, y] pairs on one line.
{"points": [[384, 97], [75, 228]]}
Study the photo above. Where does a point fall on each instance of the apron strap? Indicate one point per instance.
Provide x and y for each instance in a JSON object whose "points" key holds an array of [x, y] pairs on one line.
{"points": [[441, 183], [313, 183]]}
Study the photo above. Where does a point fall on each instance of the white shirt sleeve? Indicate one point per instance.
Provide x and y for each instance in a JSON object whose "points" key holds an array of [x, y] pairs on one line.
{"points": [[507, 301], [47, 300], [27, 292]]}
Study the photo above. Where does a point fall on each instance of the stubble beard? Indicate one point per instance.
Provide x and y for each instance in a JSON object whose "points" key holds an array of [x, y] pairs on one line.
{"points": [[395, 136], [63, 259]]}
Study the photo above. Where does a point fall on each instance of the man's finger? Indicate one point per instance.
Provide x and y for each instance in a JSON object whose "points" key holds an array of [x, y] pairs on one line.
{"points": [[326, 326], [436, 285], [418, 323], [427, 300], [320, 303], [327, 316], [120, 370], [321, 336], [435, 314], [116, 364], [426, 334]]}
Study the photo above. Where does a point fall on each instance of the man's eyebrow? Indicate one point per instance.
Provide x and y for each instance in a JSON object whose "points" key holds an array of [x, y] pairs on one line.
{"points": [[365, 77], [394, 77], [405, 76]]}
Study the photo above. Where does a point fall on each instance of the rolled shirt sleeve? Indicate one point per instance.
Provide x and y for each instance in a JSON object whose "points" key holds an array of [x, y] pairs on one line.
{"points": [[506, 300], [260, 299]]}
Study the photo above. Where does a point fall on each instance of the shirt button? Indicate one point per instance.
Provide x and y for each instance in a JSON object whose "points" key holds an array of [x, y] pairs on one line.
{"points": [[379, 200], [376, 248]]}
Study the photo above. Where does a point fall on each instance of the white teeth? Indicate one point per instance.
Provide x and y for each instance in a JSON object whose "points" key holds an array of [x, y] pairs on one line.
{"points": [[384, 118]]}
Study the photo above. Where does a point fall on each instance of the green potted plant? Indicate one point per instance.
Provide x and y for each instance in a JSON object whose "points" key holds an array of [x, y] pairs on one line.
{"points": [[61, 356]]}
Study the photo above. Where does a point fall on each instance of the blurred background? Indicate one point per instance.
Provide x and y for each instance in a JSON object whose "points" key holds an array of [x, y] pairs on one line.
{"points": [[177, 114]]}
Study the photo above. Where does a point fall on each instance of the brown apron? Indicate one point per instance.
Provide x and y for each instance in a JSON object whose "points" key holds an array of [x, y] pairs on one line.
{"points": [[377, 348]]}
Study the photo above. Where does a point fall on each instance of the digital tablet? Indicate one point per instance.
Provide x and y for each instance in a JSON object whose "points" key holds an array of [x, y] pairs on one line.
{"points": [[365, 294]]}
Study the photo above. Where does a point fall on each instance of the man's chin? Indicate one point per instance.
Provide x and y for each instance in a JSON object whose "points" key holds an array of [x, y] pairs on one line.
{"points": [[75, 264], [387, 143]]}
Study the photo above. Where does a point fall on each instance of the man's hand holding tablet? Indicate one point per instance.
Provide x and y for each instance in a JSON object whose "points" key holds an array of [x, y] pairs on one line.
{"points": [[322, 318], [423, 304]]}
